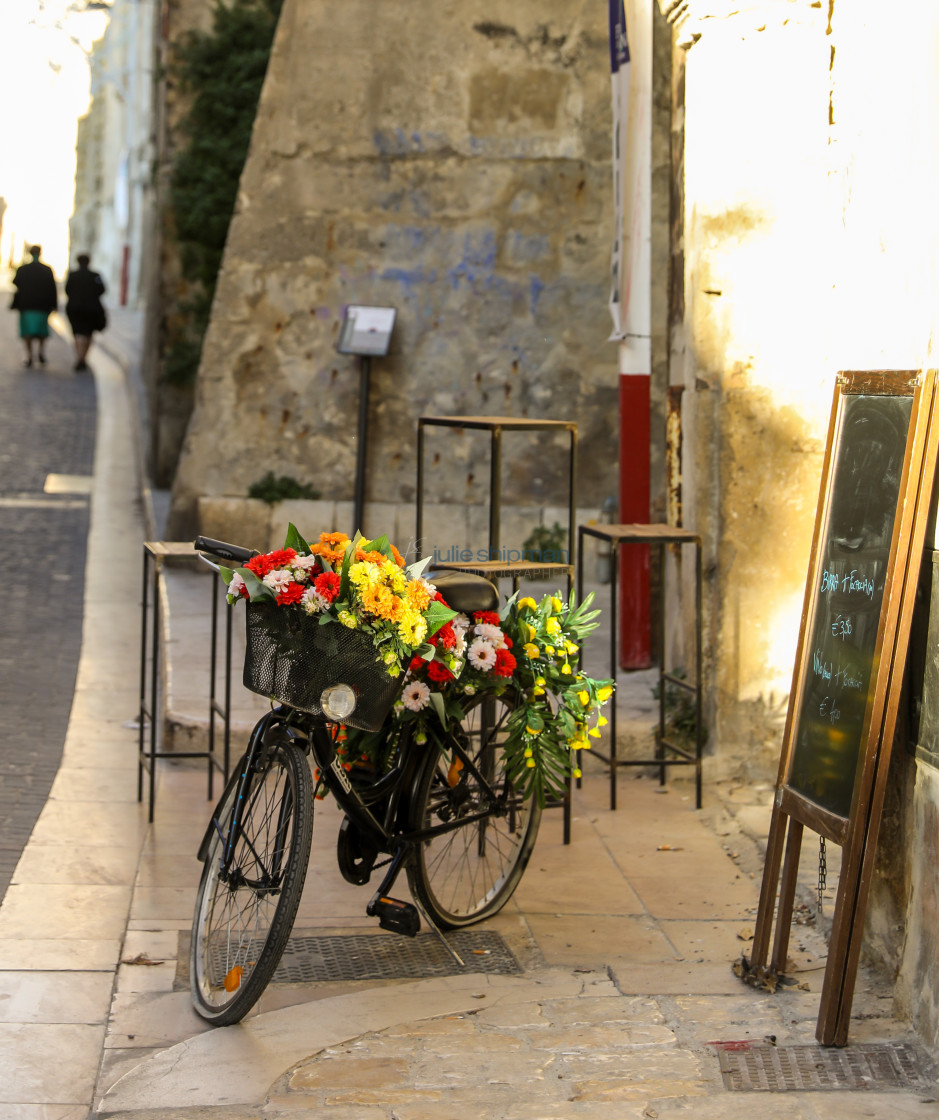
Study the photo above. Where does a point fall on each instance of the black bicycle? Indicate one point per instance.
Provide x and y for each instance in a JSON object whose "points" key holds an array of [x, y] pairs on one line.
{"points": [[444, 813]]}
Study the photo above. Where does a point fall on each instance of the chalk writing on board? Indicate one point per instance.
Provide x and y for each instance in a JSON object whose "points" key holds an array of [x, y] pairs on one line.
{"points": [[854, 551]]}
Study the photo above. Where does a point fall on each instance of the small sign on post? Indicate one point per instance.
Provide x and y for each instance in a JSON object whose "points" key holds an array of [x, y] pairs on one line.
{"points": [[365, 332]]}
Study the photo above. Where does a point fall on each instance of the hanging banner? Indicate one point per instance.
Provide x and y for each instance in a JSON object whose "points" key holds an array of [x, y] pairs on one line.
{"points": [[619, 71]]}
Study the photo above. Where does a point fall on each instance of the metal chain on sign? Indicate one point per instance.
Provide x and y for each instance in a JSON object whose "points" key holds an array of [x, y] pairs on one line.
{"points": [[822, 871]]}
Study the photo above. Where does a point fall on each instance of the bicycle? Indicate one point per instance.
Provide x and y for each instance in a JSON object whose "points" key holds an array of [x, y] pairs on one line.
{"points": [[449, 818]]}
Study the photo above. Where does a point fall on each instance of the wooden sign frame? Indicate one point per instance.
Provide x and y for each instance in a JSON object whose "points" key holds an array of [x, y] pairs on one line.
{"points": [[827, 797]]}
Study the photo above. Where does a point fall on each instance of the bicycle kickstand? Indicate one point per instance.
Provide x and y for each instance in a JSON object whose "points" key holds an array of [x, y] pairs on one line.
{"points": [[403, 917]]}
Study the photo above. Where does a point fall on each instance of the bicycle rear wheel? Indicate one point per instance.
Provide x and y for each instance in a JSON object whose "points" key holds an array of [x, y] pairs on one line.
{"points": [[469, 872], [243, 916]]}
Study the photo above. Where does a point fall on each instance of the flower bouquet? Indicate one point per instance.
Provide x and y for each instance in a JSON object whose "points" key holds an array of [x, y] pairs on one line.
{"points": [[337, 614], [527, 655]]}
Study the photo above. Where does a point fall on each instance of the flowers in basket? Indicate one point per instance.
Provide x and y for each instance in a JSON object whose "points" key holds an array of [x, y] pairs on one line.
{"points": [[360, 584], [527, 656]]}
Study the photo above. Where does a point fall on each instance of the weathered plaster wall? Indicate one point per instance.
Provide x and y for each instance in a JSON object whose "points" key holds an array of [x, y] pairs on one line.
{"points": [[453, 162], [810, 243]]}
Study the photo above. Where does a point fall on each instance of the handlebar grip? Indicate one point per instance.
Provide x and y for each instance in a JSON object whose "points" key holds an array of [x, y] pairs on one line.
{"points": [[224, 551]]}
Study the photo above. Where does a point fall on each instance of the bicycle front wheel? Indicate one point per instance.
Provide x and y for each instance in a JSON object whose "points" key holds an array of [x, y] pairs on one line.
{"points": [[244, 913], [468, 870]]}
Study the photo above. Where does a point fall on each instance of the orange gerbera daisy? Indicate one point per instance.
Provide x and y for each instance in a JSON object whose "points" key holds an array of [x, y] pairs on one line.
{"points": [[331, 546]]}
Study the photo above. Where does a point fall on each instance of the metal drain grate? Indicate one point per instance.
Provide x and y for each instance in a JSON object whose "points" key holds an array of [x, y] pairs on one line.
{"points": [[316, 958], [777, 1069]]}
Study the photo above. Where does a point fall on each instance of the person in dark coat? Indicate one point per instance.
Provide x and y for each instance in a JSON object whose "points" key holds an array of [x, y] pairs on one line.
{"points": [[36, 297], [83, 291]]}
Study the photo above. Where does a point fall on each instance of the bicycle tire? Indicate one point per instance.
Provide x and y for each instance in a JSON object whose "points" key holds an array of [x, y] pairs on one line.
{"points": [[469, 873], [239, 928]]}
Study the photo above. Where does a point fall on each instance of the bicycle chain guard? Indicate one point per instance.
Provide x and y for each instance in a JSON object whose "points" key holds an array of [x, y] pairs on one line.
{"points": [[356, 857]]}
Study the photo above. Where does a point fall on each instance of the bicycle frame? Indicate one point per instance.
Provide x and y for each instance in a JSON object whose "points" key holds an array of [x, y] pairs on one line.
{"points": [[314, 737]]}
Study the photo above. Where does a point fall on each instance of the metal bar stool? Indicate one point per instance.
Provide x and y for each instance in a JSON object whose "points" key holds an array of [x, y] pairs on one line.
{"points": [[667, 753], [155, 553]]}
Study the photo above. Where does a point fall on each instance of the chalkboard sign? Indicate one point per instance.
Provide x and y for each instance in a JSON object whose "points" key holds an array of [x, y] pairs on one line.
{"points": [[842, 649], [873, 506]]}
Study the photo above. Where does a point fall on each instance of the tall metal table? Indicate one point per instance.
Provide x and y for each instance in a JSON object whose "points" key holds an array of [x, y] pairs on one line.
{"points": [[667, 753], [155, 554]]}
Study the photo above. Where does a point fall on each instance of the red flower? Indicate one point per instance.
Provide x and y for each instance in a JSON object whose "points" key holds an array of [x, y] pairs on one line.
{"points": [[438, 598], [444, 637], [487, 616], [291, 594], [327, 585], [507, 640], [417, 663], [439, 673], [505, 663], [270, 561]]}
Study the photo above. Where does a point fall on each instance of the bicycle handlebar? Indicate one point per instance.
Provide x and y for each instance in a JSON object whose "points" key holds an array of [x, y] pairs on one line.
{"points": [[224, 551]]}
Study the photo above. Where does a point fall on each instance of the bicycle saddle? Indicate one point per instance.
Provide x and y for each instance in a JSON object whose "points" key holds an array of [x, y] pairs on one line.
{"points": [[464, 591]]}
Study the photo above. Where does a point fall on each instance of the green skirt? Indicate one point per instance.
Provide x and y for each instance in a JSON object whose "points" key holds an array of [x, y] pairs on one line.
{"points": [[34, 324]]}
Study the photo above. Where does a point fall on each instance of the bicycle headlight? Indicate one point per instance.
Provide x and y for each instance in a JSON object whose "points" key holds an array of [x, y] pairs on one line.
{"points": [[338, 702]]}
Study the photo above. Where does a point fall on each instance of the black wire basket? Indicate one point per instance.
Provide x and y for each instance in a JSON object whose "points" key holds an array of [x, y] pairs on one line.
{"points": [[291, 658]]}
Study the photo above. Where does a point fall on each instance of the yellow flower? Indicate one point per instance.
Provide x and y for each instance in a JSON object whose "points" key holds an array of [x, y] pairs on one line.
{"points": [[566, 669], [577, 772], [549, 650], [594, 732], [552, 626], [576, 744], [584, 697], [347, 618], [571, 647], [417, 594], [531, 731], [528, 752], [604, 694], [537, 692], [528, 602], [530, 763], [556, 604], [602, 721], [531, 650], [531, 632]]}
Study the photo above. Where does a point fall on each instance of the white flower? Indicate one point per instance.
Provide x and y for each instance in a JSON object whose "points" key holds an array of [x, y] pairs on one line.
{"points": [[491, 633], [460, 623], [312, 602], [304, 563], [236, 585], [416, 696], [481, 655], [279, 579]]}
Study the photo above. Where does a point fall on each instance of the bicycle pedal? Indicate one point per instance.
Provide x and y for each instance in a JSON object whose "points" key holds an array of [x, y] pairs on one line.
{"points": [[394, 915]]}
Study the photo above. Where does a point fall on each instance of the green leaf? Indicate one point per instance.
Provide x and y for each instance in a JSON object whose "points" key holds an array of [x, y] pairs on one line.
{"points": [[344, 570], [226, 573], [416, 570], [257, 591], [437, 615], [509, 607], [295, 541], [436, 702], [427, 651], [379, 544]]}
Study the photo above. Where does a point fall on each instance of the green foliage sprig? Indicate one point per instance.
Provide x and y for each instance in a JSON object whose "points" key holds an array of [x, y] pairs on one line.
{"points": [[222, 71]]}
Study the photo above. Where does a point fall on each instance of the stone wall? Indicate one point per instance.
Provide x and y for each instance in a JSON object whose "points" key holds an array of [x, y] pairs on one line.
{"points": [[452, 162]]}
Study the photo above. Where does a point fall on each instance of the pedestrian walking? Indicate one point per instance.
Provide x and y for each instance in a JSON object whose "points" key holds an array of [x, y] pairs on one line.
{"points": [[35, 298], [85, 311]]}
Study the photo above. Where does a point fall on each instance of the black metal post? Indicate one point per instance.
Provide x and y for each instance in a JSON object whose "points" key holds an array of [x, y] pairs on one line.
{"points": [[359, 511], [419, 513]]}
